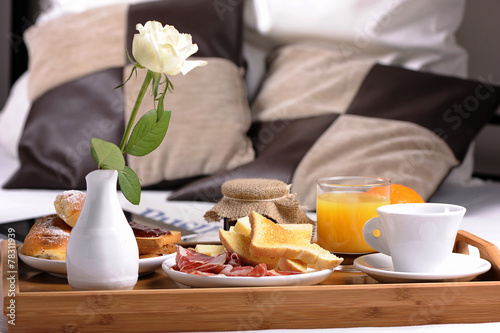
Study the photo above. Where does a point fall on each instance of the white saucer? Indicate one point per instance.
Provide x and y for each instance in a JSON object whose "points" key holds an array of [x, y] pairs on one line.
{"points": [[58, 268], [461, 268]]}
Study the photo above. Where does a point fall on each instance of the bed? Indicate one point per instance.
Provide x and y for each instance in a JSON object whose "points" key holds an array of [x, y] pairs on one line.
{"points": [[277, 116]]}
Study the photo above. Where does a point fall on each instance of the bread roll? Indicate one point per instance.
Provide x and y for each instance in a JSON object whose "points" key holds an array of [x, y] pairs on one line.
{"points": [[47, 238], [68, 205]]}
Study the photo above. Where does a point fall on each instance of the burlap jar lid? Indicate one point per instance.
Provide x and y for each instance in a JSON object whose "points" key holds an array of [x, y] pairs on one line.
{"points": [[268, 197]]}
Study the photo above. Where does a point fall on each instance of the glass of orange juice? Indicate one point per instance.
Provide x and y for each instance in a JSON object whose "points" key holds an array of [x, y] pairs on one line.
{"points": [[343, 206]]}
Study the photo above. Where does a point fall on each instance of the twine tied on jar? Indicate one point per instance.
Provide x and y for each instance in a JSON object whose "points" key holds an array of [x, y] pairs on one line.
{"points": [[268, 197]]}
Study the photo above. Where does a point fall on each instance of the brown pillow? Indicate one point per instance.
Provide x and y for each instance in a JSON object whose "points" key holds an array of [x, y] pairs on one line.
{"points": [[280, 146], [77, 60], [408, 126]]}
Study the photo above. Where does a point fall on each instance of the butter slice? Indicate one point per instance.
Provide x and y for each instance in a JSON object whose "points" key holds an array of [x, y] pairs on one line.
{"points": [[209, 250], [242, 226]]}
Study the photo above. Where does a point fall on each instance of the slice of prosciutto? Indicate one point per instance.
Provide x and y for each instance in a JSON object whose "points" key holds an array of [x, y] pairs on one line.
{"points": [[188, 261], [259, 270]]}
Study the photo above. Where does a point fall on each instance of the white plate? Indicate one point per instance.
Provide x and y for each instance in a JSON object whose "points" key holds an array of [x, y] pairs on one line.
{"points": [[306, 279], [58, 268], [461, 268]]}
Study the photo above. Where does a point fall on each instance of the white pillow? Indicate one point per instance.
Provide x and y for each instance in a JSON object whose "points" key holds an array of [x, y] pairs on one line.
{"points": [[418, 35], [55, 8]]}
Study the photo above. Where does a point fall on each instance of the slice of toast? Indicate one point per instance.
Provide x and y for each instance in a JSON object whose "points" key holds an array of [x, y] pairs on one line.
{"points": [[165, 249], [239, 244], [160, 241], [303, 230], [272, 240], [292, 265]]}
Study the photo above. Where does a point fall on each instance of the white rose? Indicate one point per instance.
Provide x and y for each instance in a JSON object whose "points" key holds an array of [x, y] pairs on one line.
{"points": [[163, 49]]}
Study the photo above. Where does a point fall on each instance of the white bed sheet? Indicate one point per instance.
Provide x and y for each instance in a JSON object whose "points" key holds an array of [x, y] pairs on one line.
{"points": [[481, 198]]}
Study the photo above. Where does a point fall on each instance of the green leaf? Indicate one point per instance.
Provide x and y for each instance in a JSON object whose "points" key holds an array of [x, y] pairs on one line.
{"points": [[148, 133], [107, 155], [130, 185]]}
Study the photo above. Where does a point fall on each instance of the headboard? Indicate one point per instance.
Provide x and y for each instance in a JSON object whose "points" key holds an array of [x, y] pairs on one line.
{"points": [[15, 17], [479, 35]]}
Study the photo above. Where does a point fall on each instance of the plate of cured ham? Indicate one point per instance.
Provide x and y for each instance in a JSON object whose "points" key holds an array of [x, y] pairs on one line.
{"points": [[195, 269]]}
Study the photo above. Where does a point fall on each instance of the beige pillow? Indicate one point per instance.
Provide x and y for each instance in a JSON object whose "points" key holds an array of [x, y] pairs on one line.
{"points": [[401, 151], [72, 46]]}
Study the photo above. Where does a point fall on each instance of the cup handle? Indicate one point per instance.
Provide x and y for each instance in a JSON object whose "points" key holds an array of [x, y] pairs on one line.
{"points": [[378, 243]]}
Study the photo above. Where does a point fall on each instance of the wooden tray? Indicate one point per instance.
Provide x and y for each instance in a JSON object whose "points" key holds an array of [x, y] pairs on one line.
{"points": [[46, 303]]}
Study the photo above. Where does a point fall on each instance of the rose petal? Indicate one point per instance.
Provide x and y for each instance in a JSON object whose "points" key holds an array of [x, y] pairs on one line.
{"points": [[162, 49]]}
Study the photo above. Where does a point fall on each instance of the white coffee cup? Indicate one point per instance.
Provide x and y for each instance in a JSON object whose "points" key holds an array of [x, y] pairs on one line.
{"points": [[419, 237]]}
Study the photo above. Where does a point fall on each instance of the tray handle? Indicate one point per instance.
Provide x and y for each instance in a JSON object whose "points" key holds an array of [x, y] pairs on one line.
{"points": [[487, 250]]}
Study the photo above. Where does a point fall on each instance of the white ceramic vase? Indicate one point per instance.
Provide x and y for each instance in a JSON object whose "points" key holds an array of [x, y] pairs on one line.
{"points": [[102, 252]]}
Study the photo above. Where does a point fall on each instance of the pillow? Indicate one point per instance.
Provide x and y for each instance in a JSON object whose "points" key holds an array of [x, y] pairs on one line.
{"points": [[408, 126], [52, 9], [279, 150], [418, 35], [73, 99], [411, 130]]}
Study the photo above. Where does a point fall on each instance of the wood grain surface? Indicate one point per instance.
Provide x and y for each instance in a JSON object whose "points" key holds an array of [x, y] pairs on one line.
{"points": [[157, 304]]}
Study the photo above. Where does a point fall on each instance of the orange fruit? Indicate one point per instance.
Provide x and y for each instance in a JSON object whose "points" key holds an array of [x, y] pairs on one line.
{"points": [[401, 194], [404, 194]]}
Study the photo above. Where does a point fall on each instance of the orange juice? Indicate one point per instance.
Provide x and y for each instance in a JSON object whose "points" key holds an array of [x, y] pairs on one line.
{"points": [[341, 217]]}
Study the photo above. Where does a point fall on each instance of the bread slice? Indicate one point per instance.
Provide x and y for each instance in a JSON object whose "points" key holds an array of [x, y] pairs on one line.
{"points": [[303, 230], [164, 243], [239, 244], [165, 249], [326, 259], [292, 265], [160, 241], [273, 240], [146, 256]]}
